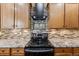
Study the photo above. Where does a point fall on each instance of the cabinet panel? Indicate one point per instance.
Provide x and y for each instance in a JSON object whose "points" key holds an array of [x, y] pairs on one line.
{"points": [[61, 50], [7, 15], [4, 52], [71, 15], [22, 15], [63, 54], [56, 16], [76, 54], [17, 51], [76, 51]]}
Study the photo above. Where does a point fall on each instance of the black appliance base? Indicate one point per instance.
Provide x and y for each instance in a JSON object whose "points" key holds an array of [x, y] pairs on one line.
{"points": [[39, 54], [39, 51], [45, 49]]}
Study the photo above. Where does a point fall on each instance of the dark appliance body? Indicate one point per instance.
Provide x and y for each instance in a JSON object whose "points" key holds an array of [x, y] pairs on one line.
{"points": [[39, 44]]}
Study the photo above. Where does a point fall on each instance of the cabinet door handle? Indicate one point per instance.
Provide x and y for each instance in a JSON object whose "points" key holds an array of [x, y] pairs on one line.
{"points": [[17, 50], [2, 50], [62, 50]]}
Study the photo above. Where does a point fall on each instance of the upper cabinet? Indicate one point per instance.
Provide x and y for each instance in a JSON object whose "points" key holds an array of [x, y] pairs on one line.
{"points": [[56, 15], [59, 15], [7, 15], [22, 15], [71, 15]]}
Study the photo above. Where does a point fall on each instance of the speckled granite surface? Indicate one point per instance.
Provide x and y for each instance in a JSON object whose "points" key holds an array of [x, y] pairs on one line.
{"points": [[58, 37], [14, 38], [64, 37]]}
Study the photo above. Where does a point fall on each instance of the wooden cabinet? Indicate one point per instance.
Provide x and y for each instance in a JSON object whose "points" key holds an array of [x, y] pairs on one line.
{"points": [[15, 15], [56, 15], [7, 15], [63, 51], [63, 54], [4, 51], [17, 51], [71, 15], [76, 51], [61, 15], [22, 15]]}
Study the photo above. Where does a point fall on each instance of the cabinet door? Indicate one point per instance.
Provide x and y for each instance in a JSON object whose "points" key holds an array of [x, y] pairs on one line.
{"points": [[22, 15], [56, 16], [17, 51], [76, 51], [7, 15], [63, 51], [63, 54], [4, 52], [71, 15]]}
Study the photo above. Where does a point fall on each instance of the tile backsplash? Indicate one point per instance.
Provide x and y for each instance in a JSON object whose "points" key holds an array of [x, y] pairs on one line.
{"points": [[25, 33], [14, 34], [64, 33]]}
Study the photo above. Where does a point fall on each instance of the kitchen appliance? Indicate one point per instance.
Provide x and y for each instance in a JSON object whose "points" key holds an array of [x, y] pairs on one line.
{"points": [[39, 44]]}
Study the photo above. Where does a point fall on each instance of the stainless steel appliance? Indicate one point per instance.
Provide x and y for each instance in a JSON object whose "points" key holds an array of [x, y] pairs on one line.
{"points": [[39, 43]]}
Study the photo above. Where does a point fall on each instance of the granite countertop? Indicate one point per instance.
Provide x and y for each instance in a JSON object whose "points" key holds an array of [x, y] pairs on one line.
{"points": [[59, 38], [64, 37], [14, 38]]}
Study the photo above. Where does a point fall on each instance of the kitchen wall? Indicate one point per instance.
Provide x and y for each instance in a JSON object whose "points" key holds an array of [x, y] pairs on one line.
{"points": [[60, 15]]}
